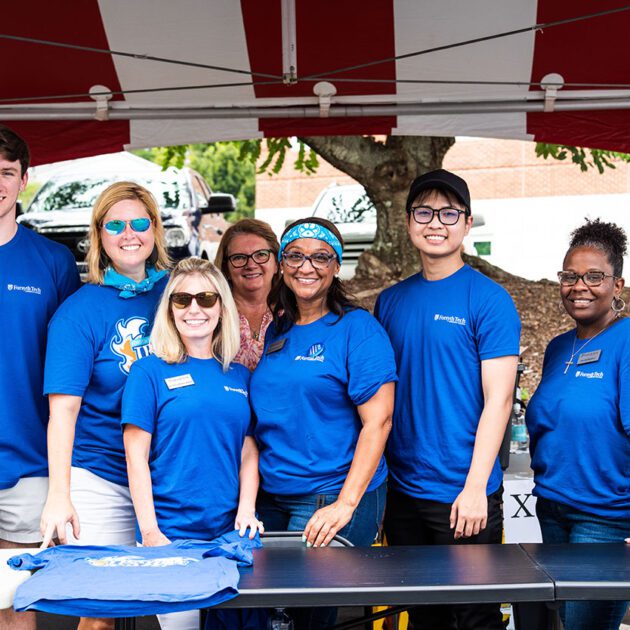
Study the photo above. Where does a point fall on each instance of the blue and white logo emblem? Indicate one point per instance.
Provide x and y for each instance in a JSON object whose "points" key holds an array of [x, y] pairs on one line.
{"points": [[315, 353], [139, 561], [316, 350], [131, 341]]}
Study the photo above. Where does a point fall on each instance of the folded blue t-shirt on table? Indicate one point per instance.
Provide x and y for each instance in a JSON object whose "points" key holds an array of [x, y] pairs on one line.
{"points": [[127, 581]]}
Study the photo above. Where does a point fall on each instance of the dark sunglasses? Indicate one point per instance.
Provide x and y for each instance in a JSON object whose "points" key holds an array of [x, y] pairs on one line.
{"points": [[117, 226], [205, 299]]}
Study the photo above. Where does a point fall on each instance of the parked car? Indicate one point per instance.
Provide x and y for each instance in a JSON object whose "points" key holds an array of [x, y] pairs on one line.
{"points": [[350, 209], [191, 212]]}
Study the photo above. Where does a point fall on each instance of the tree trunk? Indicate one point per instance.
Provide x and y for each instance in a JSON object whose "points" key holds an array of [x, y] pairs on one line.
{"points": [[385, 170]]}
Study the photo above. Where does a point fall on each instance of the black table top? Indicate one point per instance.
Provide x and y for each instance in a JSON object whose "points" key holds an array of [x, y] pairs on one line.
{"points": [[341, 576], [585, 570]]}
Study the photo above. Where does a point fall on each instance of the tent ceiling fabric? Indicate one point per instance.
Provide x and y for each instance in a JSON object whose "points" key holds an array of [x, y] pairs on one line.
{"points": [[201, 70]]}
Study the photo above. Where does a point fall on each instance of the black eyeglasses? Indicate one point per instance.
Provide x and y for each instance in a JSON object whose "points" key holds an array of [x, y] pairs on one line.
{"points": [[590, 278], [446, 215], [205, 299], [297, 259], [260, 257]]}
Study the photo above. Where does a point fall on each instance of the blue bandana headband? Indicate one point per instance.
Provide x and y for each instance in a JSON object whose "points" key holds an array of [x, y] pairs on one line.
{"points": [[311, 230]]}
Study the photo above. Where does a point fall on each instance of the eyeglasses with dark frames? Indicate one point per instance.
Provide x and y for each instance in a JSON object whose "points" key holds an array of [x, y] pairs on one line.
{"points": [[117, 226], [590, 278], [446, 216], [320, 260], [205, 299], [260, 257]]}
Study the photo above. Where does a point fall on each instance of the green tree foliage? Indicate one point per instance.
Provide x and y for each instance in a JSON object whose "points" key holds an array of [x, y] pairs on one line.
{"points": [[28, 193], [584, 158], [220, 163]]}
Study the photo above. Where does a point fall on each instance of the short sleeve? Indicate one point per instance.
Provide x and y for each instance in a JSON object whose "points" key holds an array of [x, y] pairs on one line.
{"points": [[498, 326], [624, 389], [70, 356], [371, 361], [139, 401], [377, 307], [69, 280]]}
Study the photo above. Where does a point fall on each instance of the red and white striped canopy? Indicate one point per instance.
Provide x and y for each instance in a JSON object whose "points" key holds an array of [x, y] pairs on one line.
{"points": [[200, 70]]}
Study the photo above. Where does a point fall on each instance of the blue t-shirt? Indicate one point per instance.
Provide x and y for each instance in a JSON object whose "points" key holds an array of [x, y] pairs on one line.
{"points": [[198, 416], [36, 276], [441, 331], [122, 581], [93, 341], [579, 424], [305, 396]]}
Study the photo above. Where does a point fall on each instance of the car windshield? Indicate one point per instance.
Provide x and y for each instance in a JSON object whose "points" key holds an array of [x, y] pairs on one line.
{"points": [[346, 205], [72, 194]]}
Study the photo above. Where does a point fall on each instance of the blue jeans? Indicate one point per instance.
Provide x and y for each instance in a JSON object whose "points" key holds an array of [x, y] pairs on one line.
{"points": [[282, 513], [561, 523], [291, 514]]}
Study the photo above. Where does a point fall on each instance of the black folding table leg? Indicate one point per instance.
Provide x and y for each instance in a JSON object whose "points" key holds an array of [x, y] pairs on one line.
{"points": [[540, 615]]}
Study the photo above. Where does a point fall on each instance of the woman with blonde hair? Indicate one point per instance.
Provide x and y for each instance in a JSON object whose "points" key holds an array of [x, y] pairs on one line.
{"points": [[188, 403], [247, 256], [93, 340]]}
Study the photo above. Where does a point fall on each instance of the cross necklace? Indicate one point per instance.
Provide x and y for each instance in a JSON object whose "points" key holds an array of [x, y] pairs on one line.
{"points": [[569, 363]]}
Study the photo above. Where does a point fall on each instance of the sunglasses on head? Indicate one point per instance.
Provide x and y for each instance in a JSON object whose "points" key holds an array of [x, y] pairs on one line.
{"points": [[117, 226], [205, 299]]}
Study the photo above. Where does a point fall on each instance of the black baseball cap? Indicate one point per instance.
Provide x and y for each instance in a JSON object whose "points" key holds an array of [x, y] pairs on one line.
{"points": [[440, 180]]}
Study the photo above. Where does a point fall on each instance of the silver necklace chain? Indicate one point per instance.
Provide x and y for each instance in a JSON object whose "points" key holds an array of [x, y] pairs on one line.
{"points": [[569, 363]]}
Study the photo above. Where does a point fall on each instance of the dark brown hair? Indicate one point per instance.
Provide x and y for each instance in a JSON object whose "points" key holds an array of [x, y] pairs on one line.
{"points": [[246, 226], [13, 148], [282, 300]]}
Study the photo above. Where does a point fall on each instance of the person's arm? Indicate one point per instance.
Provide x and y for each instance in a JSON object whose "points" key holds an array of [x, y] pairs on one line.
{"points": [[469, 513], [248, 475], [376, 417], [58, 510], [137, 447]]}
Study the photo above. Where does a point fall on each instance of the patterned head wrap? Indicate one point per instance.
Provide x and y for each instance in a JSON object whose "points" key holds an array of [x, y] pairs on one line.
{"points": [[311, 230]]}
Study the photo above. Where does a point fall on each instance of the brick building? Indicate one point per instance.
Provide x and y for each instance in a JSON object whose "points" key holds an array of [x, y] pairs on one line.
{"points": [[529, 204]]}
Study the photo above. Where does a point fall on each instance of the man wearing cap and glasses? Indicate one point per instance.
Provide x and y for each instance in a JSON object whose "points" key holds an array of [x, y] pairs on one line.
{"points": [[455, 334]]}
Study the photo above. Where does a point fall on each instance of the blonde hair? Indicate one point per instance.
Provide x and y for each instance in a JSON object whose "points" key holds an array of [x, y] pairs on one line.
{"points": [[97, 259], [165, 339]]}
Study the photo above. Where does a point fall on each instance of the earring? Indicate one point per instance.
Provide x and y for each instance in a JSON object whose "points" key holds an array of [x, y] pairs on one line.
{"points": [[618, 304], [561, 309]]}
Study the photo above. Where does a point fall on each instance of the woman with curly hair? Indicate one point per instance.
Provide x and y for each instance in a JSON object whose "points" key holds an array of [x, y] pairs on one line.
{"points": [[579, 417]]}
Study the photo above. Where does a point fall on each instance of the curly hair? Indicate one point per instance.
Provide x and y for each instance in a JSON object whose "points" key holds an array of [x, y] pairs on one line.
{"points": [[282, 300], [609, 238]]}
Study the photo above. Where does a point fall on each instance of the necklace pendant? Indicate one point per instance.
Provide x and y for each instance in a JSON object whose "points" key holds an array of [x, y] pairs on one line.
{"points": [[568, 363]]}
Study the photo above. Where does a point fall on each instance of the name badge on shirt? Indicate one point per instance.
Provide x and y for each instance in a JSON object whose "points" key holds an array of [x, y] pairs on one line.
{"points": [[589, 357], [175, 382], [276, 345]]}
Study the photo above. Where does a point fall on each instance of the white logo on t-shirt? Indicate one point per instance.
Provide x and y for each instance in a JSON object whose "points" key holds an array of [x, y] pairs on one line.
{"points": [[581, 374], [450, 319], [238, 390], [139, 561], [24, 289]]}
